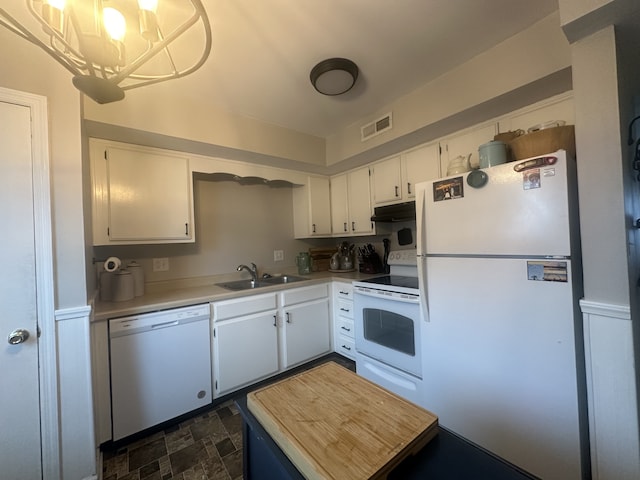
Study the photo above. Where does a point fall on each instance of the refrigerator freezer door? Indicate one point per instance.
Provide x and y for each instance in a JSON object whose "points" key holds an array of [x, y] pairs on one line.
{"points": [[515, 213], [500, 361]]}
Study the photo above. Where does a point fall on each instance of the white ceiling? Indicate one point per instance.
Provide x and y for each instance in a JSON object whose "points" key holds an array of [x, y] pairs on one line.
{"points": [[263, 51]]}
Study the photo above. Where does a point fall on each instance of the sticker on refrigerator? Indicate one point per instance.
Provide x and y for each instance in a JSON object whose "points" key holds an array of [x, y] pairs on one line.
{"points": [[531, 179], [448, 189], [547, 271]]}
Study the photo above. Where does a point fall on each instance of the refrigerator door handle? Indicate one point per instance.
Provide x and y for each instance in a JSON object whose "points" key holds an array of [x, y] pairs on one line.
{"points": [[421, 189], [421, 198], [422, 283]]}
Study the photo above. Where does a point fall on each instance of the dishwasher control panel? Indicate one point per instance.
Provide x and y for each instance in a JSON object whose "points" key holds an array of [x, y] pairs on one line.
{"points": [[155, 320]]}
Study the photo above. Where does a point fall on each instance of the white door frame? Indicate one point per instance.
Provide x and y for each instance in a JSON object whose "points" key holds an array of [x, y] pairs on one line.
{"points": [[47, 352]]}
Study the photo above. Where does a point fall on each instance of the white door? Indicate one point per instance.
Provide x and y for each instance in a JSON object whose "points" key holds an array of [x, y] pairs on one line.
{"points": [[19, 395], [245, 350], [307, 331]]}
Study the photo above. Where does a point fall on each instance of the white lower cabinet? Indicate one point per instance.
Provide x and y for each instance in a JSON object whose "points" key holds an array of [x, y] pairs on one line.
{"points": [[306, 331], [343, 323], [245, 341], [257, 336], [100, 381]]}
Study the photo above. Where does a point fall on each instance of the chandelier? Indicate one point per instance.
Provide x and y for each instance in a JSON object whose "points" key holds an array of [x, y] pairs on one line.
{"points": [[115, 45]]}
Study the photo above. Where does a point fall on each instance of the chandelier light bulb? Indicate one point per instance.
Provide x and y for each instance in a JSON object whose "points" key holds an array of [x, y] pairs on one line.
{"points": [[148, 19], [114, 23], [59, 4], [89, 41], [52, 13], [149, 5]]}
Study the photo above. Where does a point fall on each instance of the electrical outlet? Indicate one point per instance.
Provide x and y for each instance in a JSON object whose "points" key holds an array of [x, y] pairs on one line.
{"points": [[160, 264], [278, 255]]}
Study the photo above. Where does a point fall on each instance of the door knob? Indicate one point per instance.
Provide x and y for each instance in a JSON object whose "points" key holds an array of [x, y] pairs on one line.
{"points": [[18, 336]]}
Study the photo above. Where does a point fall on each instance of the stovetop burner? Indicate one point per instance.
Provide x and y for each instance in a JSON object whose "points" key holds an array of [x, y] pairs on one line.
{"points": [[394, 281]]}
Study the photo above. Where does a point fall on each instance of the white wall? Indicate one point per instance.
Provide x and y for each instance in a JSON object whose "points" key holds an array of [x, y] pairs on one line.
{"points": [[600, 173], [26, 68], [235, 224], [605, 75], [532, 54], [182, 117]]}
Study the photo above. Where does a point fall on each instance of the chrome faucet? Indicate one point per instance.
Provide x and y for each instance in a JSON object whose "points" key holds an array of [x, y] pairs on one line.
{"points": [[253, 271]]}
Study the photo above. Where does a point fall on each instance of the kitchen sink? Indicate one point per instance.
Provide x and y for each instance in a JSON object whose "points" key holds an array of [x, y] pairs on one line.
{"points": [[281, 279], [242, 285], [264, 282]]}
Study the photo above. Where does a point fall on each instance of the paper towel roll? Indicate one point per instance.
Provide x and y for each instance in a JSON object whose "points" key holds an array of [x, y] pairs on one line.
{"points": [[112, 264], [138, 277]]}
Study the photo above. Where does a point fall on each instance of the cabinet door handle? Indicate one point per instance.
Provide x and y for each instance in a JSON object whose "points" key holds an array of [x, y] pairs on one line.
{"points": [[186, 229], [346, 348], [288, 317], [345, 310], [345, 226], [343, 293], [409, 188], [275, 321], [353, 226], [396, 188], [313, 228], [345, 328]]}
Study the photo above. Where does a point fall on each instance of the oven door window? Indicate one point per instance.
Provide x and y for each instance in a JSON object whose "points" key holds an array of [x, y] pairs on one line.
{"points": [[389, 330]]}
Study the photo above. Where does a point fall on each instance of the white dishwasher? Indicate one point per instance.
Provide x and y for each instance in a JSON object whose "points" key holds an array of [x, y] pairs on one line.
{"points": [[160, 367]]}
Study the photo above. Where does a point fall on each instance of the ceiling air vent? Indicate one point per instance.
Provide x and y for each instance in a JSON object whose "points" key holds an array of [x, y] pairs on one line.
{"points": [[374, 128]]}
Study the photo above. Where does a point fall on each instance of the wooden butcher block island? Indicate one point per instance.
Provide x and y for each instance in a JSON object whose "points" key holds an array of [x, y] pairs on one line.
{"points": [[334, 424]]}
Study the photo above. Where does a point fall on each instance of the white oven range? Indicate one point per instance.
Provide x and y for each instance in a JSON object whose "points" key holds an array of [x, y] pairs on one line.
{"points": [[387, 327]]}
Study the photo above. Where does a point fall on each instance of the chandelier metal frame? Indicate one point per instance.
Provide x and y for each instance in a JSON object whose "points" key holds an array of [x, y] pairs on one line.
{"points": [[106, 81]]}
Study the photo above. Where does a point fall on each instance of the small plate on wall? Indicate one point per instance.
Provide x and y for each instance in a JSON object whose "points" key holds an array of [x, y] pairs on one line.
{"points": [[477, 178]]}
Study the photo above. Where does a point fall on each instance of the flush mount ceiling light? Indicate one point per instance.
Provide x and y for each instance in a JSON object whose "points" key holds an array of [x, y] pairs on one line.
{"points": [[115, 45], [334, 76]]}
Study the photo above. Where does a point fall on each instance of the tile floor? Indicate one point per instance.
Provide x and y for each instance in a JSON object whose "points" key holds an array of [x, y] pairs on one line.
{"points": [[207, 446]]}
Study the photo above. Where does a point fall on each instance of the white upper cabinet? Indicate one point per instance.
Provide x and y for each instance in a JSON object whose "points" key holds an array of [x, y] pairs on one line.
{"points": [[312, 208], [339, 205], [140, 195], [394, 179], [386, 180], [419, 165], [360, 210], [464, 143], [351, 204], [557, 108]]}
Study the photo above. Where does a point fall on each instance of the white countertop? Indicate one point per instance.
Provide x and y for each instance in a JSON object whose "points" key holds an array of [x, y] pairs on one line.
{"points": [[193, 291]]}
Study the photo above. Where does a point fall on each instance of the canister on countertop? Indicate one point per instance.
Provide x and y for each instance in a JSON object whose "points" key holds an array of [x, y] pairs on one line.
{"points": [[106, 279], [122, 286], [303, 261], [138, 277]]}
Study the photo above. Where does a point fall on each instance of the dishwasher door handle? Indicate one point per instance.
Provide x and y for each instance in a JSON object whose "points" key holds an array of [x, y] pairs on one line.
{"points": [[165, 324]]}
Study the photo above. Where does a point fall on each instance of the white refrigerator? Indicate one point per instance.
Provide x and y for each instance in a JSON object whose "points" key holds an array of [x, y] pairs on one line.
{"points": [[500, 279]]}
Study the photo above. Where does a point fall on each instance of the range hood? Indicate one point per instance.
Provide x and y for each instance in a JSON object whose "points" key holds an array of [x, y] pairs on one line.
{"points": [[399, 212]]}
